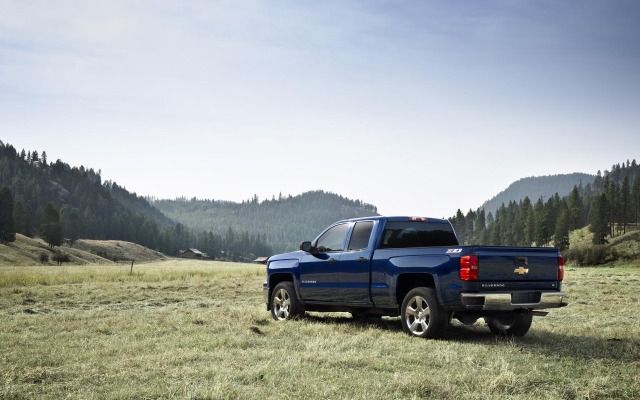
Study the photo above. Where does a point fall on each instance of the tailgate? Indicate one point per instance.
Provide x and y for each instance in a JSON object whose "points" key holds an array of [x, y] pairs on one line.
{"points": [[505, 264]]}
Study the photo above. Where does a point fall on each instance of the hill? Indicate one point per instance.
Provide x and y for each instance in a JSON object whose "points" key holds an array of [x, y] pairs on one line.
{"points": [[27, 251], [87, 207], [624, 248], [284, 221], [536, 187]]}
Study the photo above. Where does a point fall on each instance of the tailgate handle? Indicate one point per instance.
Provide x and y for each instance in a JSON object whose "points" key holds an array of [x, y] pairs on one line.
{"points": [[522, 261]]}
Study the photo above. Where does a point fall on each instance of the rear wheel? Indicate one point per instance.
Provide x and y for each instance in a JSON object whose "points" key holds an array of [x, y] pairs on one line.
{"points": [[421, 314], [284, 302], [510, 325]]}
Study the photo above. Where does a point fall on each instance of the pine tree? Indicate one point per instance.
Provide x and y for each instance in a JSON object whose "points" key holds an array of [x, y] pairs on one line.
{"points": [[496, 228], [516, 230], [470, 222], [21, 217], [612, 209], [71, 225], [575, 209], [561, 235], [528, 221], [598, 219], [7, 226], [460, 227], [635, 195], [552, 209], [51, 229], [625, 202], [501, 234], [541, 228], [481, 228]]}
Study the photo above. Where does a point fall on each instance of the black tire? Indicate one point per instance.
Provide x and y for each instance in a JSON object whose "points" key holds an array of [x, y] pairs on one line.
{"points": [[421, 314], [518, 326], [284, 302]]}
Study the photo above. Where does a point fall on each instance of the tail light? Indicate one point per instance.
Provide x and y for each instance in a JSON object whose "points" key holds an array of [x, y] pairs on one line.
{"points": [[560, 268], [469, 268]]}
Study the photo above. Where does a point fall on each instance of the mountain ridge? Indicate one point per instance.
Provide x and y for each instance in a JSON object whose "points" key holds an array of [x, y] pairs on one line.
{"points": [[535, 187], [284, 221]]}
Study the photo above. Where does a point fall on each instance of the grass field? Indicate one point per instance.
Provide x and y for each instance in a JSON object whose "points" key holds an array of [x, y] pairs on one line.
{"points": [[199, 330]]}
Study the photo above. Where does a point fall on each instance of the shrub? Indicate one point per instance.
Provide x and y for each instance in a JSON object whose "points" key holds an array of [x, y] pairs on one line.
{"points": [[44, 258], [102, 253], [594, 255], [61, 257]]}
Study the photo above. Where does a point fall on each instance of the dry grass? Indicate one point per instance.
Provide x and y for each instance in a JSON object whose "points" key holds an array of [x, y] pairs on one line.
{"points": [[199, 330], [26, 251]]}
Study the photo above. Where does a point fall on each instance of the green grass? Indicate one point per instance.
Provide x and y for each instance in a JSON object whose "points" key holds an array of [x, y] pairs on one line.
{"points": [[622, 249], [199, 330]]}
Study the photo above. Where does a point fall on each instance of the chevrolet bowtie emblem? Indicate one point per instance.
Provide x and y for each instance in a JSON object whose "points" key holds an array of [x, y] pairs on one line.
{"points": [[521, 271]]}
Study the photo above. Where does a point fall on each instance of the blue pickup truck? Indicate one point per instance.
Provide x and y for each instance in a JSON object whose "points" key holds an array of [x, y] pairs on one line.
{"points": [[414, 268]]}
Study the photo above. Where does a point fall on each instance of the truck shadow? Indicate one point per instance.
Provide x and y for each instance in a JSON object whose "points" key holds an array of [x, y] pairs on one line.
{"points": [[535, 341]]}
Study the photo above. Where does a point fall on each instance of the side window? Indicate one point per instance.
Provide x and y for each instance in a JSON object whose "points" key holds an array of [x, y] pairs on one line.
{"points": [[360, 236], [333, 239]]}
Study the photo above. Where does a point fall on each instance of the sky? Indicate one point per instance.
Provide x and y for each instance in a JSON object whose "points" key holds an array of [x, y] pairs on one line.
{"points": [[418, 107]]}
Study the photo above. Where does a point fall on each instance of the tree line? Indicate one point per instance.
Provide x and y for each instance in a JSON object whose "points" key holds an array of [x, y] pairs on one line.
{"points": [[535, 187], [284, 221], [609, 206], [62, 203]]}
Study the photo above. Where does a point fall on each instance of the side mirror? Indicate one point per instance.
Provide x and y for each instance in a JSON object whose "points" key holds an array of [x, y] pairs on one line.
{"points": [[306, 247]]}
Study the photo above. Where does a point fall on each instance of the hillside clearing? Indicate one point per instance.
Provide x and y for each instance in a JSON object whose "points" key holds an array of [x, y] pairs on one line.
{"points": [[189, 329], [26, 251]]}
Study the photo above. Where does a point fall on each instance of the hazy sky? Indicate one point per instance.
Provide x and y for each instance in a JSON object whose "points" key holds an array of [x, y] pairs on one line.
{"points": [[419, 107]]}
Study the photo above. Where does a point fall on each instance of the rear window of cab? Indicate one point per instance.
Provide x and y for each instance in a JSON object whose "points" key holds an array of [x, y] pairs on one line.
{"points": [[402, 234]]}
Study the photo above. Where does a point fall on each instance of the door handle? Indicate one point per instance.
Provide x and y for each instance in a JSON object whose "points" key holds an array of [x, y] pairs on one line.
{"points": [[361, 259], [332, 261]]}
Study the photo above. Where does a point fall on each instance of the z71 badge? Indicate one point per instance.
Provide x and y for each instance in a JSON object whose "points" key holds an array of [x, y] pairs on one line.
{"points": [[454, 251]]}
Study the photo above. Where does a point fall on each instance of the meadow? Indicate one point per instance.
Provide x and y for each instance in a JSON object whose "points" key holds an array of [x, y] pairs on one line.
{"points": [[199, 330]]}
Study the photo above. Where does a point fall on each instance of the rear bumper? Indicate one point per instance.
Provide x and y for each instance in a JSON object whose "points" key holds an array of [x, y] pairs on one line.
{"points": [[512, 300]]}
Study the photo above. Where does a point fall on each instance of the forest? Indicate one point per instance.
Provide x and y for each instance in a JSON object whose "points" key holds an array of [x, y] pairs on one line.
{"points": [[284, 221], [609, 206], [535, 187], [61, 204]]}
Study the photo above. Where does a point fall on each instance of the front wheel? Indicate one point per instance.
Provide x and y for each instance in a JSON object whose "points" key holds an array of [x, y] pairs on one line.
{"points": [[421, 314], [515, 325], [284, 303]]}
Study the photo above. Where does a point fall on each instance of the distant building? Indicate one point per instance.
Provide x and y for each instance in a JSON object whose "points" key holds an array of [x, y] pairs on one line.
{"points": [[193, 253], [261, 260]]}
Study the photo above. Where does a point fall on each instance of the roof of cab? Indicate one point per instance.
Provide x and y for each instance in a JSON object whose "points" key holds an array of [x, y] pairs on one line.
{"points": [[396, 218]]}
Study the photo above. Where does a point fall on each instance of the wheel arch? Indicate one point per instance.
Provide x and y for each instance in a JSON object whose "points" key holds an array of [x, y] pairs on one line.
{"points": [[408, 281], [276, 278]]}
